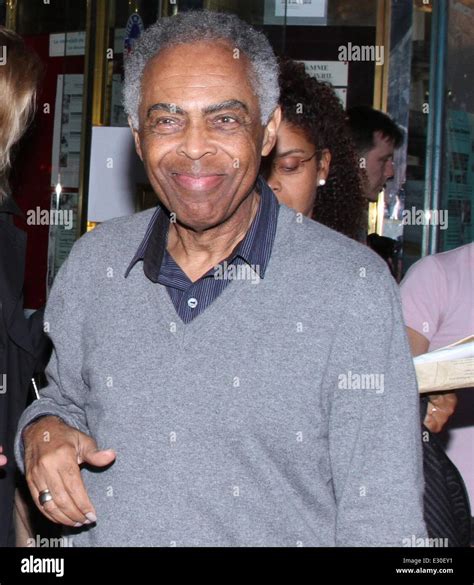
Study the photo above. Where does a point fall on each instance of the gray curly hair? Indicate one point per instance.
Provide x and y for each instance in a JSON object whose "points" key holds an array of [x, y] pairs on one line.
{"points": [[204, 25]]}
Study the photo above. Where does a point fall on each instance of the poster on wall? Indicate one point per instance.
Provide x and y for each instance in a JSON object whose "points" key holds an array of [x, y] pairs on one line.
{"points": [[61, 45], [298, 12], [67, 130]]}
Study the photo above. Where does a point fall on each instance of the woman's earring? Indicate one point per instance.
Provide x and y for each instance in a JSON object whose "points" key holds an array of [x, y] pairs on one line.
{"points": [[321, 182]]}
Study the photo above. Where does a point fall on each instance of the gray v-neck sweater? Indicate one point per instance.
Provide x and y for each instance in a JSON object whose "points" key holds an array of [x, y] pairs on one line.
{"points": [[247, 426]]}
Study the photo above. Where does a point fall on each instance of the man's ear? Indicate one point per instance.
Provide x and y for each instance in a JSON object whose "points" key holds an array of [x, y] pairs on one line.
{"points": [[324, 165], [270, 131], [136, 138]]}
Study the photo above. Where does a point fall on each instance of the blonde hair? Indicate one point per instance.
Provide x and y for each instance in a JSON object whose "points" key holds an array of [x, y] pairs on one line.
{"points": [[20, 72]]}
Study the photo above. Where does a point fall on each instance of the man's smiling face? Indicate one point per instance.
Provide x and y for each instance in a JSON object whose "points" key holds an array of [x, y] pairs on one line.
{"points": [[200, 135]]}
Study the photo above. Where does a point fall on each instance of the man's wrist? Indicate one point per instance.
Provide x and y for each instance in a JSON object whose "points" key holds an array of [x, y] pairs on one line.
{"points": [[38, 419]]}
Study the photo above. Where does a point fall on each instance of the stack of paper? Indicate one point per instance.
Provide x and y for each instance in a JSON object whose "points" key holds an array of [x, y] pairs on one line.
{"points": [[447, 368]]}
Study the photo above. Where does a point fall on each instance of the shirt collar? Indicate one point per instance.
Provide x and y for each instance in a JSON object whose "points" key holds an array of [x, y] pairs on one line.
{"points": [[152, 248], [255, 248]]}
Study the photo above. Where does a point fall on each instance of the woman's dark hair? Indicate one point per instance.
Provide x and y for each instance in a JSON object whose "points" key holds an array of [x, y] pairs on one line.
{"points": [[313, 107]]}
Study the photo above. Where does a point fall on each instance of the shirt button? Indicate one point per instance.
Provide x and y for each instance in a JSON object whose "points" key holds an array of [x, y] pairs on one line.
{"points": [[192, 303]]}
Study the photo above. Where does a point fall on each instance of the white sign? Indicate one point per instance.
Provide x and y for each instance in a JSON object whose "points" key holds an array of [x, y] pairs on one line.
{"points": [[301, 8], [76, 44], [341, 93], [334, 72], [115, 174]]}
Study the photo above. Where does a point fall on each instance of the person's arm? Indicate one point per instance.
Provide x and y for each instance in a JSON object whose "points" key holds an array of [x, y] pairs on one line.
{"points": [[441, 405], [424, 295], [374, 430], [53, 437], [419, 344]]}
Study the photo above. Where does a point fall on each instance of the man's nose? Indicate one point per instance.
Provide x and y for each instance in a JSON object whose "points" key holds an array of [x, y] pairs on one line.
{"points": [[196, 142], [389, 169]]}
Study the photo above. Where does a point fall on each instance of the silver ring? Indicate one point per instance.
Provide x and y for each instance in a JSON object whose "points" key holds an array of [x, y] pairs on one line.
{"points": [[45, 496]]}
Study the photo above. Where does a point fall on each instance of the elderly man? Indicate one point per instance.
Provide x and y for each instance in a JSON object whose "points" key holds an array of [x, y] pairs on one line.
{"points": [[220, 344]]}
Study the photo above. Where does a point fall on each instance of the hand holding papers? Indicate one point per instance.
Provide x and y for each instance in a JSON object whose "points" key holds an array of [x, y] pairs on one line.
{"points": [[447, 368]]}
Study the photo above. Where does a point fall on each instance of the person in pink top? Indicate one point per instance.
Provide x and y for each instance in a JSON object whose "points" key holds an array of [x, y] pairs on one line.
{"points": [[438, 306], [438, 293], [437, 298]]}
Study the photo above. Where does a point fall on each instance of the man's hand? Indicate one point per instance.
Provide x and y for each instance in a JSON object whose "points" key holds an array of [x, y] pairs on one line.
{"points": [[3, 459], [440, 408], [53, 453]]}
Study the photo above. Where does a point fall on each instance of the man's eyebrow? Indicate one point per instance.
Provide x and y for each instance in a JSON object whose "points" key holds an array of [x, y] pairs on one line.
{"points": [[212, 109], [227, 105], [169, 108]]}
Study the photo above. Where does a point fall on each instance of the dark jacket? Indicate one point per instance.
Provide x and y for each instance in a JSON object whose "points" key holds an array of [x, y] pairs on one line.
{"points": [[22, 342]]}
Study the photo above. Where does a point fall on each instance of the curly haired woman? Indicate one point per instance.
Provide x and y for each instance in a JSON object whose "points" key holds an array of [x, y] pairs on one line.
{"points": [[313, 168]]}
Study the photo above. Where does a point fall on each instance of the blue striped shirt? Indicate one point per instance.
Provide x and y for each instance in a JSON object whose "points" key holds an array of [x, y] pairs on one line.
{"points": [[248, 260]]}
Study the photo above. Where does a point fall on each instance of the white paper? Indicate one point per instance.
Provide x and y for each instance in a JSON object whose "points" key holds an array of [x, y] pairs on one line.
{"points": [[448, 353], [447, 368], [115, 173]]}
